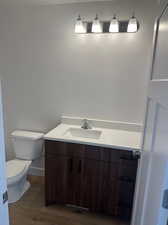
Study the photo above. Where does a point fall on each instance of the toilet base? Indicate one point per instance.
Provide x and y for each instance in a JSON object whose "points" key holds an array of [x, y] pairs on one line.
{"points": [[17, 190]]}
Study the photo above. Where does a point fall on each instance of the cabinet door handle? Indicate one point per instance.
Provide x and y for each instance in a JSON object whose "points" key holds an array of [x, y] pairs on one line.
{"points": [[71, 165], [80, 166]]}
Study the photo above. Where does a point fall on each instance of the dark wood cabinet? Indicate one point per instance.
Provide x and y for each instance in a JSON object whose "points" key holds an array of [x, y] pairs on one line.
{"points": [[110, 188], [90, 188], [97, 178], [56, 175]]}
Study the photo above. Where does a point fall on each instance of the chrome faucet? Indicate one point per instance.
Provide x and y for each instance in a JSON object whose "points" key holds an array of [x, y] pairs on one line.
{"points": [[86, 124]]}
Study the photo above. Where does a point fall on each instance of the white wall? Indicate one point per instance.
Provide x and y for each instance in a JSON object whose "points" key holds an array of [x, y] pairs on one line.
{"points": [[48, 70]]}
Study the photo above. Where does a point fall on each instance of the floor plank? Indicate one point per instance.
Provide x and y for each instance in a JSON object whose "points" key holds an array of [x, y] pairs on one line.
{"points": [[30, 210]]}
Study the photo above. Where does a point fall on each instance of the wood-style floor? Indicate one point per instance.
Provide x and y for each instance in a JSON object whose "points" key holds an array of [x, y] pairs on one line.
{"points": [[30, 210]]}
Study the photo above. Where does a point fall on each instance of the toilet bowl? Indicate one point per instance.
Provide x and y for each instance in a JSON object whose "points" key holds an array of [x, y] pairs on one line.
{"points": [[27, 147], [16, 179]]}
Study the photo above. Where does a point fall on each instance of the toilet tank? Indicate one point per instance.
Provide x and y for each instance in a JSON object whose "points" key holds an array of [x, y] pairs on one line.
{"points": [[27, 145]]}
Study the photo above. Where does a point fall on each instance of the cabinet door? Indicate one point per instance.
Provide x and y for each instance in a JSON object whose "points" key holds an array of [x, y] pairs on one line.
{"points": [[74, 174], [126, 187], [56, 172], [90, 170], [90, 191], [74, 182], [109, 176]]}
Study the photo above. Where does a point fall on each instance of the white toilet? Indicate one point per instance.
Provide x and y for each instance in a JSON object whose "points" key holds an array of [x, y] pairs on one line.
{"points": [[28, 147]]}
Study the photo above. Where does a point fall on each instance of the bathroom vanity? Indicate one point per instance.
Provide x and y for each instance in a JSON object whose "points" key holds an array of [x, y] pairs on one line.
{"points": [[83, 173]]}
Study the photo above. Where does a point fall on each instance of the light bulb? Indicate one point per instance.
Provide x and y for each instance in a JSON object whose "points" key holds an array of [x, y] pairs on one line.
{"points": [[132, 25], [114, 25], [80, 27], [97, 26]]}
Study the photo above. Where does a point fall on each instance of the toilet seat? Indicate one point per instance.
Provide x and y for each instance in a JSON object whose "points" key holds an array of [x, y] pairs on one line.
{"points": [[16, 169]]}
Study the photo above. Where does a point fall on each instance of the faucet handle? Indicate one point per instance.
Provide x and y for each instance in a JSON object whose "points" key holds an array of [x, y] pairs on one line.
{"points": [[85, 121], [86, 124]]}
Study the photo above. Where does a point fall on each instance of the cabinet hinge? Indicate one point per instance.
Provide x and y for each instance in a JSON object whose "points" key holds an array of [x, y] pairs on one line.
{"points": [[137, 154], [5, 197], [165, 199]]}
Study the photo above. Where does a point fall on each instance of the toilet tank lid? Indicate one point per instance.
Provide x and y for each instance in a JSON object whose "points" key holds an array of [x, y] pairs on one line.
{"points": [[27, 134]]}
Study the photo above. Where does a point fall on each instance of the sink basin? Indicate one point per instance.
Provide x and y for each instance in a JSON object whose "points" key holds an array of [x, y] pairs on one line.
{"points": [[79, 132]]}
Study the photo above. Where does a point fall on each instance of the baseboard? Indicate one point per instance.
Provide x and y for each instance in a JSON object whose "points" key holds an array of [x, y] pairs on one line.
{"points": [[36, 171]]}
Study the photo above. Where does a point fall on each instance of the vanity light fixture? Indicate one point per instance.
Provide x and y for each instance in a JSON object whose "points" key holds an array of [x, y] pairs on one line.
{"points": [[97, 26], [114, 25], [80, 26], [132, 25]]}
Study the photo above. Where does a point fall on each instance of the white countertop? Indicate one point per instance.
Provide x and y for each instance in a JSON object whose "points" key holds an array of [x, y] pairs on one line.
{"points": [[111, 138]]}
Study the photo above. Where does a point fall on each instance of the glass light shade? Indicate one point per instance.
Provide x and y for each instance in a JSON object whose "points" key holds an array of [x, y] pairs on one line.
{"points": [[80, 27], [97, 26], [132, 25], [114, 26]]}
